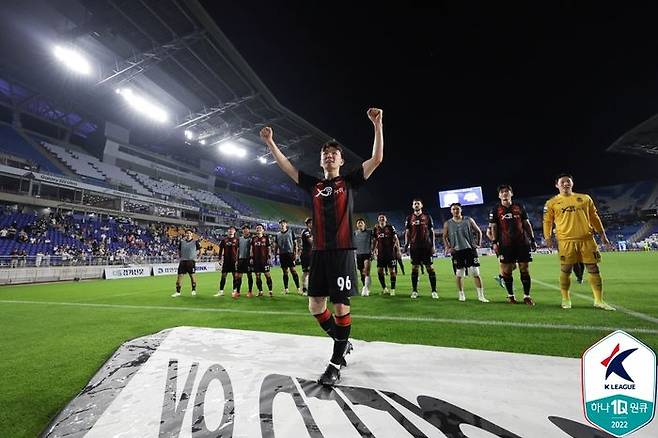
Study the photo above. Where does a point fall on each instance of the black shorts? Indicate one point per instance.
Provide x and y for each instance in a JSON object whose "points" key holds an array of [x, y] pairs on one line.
{"points": [[306, 262], [387, 262], [333, 275], [361, 261], [514, 254], [421, 256], [261, 266], [186, 267], [287, 260], [465, 258], [229, 265], [243, 266]]}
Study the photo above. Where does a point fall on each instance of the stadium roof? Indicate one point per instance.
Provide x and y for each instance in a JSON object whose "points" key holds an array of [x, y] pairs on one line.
{"points": [[169, 50], [641, 140]]}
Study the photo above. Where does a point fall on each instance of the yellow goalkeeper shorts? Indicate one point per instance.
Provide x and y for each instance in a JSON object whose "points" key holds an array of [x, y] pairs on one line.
{"points": [[579, 251]]}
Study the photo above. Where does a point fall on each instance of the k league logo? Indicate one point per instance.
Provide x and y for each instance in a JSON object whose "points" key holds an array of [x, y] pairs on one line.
{"points": [[619, 384]]}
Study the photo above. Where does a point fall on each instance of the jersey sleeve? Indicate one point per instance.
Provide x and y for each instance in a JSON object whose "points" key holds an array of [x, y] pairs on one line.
{"points": [[524, 213], [355, 178], [549, 218], [594, 217], [430, 222], [306, 181]]}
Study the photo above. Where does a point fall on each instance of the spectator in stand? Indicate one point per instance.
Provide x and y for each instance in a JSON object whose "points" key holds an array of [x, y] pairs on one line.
{"points": [[14, 259]]}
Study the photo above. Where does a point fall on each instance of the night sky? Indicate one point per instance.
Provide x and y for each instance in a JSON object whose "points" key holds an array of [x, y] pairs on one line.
{"points": [[472, 95]]}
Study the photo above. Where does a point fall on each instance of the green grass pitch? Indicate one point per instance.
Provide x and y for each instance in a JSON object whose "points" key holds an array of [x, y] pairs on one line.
{"points": [[54, 337]]}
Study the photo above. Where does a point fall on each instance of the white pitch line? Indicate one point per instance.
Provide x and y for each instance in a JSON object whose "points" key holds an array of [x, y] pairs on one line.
{"points": [[619, 308], [368, 317]]}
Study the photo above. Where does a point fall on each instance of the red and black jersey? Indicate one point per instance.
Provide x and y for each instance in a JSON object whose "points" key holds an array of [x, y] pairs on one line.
{"points": [[333, 201], [385, 240], [307, 242], [509, 221], [260, 249], [420, 230], [228, 247]]}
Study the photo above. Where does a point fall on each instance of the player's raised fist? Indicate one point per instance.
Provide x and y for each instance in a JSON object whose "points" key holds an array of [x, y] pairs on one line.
{"points": [[375, 115], [266, 134]]}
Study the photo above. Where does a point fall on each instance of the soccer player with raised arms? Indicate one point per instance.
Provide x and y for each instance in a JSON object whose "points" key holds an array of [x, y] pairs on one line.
{"points": [[333, 265], [576, 219]]}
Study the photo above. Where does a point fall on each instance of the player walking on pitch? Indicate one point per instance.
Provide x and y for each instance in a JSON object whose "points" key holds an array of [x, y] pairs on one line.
{"points": [[462, 237], [188, 251], [512, 238], [419, 238], [575, 218], [333, 267]]}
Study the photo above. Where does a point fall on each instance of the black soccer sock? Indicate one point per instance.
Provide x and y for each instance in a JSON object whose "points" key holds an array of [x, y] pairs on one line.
{"points": [[527, 283], [432, 276], [342, 334], [382, 279], [237, 284], [250, 281], [363, 279], [295, 279], [268, 280], [193, 285], [259, 284], [327, 322], [177, 288], [222, 283], [285, 280], [508, 280], [394, 277], [414, 281]]}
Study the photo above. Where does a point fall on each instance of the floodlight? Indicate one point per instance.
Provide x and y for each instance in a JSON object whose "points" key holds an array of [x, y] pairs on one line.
{"points": [[142, 105], [72, 60]]}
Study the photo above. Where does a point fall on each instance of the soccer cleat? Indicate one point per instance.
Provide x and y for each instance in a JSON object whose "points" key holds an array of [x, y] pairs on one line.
{"points": [[193, 293], [462, 296], [271, 294], [260, 293], [285, 291], [385, 291], [603, 305], [414, 295], [527, 300], [250, 294], [331, 375], [219, 294], [392, 292], [348, 349], [482, 299], [498, 279], [435, 296], [512, 300], [365, 292], [235, 294], [305, 293], [175, 294], [566, 304]]}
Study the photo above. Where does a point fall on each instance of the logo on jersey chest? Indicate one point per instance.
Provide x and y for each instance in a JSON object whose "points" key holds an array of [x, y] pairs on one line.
{"points": [[328, 191]]}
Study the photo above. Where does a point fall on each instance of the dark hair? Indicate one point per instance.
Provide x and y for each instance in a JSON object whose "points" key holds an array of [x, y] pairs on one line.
{"points": [[283, 220], [260, 225], [245, 226], [417, 199], [231, 227], [505, 186], [360, 220], [455, 203], [332, 144], [188, 229], [562, 175], [381, 214], [308, 219]]}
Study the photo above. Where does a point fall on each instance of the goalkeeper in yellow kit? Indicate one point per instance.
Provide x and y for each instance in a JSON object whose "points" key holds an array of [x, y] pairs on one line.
{"points": [[575, 218]]}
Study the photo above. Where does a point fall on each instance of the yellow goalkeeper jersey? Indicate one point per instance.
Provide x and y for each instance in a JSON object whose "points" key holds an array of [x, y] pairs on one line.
{"points": [[575, 217]]}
